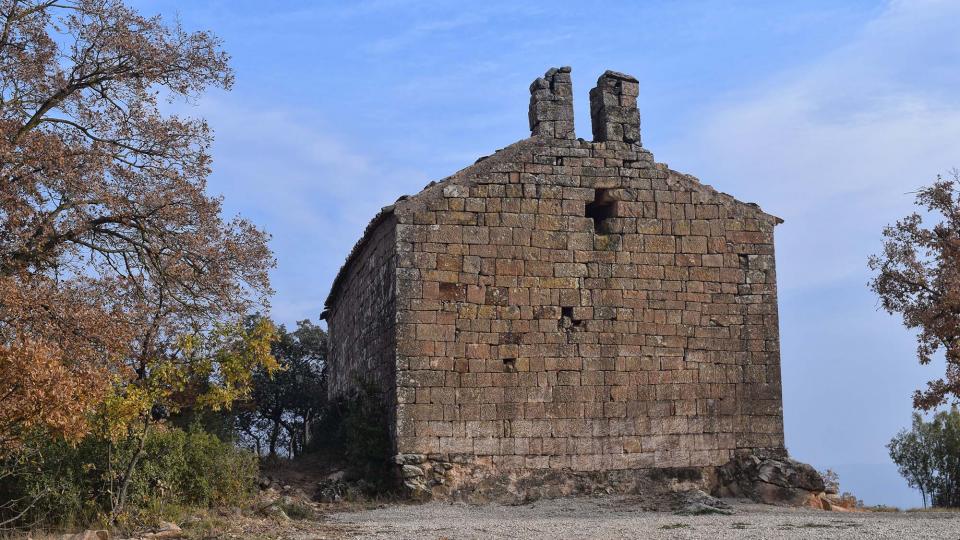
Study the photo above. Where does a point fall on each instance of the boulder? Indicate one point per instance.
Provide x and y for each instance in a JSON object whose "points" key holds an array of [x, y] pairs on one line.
{"points": [[789, 473], [770, 480], [417, 488], [697, 503]]}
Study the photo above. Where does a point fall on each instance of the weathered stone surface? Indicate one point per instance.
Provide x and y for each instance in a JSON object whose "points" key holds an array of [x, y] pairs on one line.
{"points": [[561, 309], [411, 471], [551, 104], [613, 108], [698, 503], [772, 480]]}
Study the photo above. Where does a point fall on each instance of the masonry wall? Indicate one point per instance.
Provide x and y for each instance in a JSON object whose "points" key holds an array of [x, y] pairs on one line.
{"points": [[565, 309], [361, 317], [531, 337]]}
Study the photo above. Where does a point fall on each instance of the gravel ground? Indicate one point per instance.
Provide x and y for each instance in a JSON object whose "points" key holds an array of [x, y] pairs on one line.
{"points": [[617, 517]]}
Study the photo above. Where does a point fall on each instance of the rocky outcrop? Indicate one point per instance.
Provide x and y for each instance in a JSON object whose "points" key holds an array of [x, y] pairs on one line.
{"points": [[772, 480]]}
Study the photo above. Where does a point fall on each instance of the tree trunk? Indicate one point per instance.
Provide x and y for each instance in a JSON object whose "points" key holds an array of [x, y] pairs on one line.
{"points": [[306, 430], [120, 500], [274, 434]]}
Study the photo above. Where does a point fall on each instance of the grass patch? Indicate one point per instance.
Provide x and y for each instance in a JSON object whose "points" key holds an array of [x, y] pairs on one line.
{"points": [[881, 508]]}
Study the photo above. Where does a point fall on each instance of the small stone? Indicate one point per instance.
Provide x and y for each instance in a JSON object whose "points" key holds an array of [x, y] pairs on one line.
{"points": [[409, 459], [411, 471]]}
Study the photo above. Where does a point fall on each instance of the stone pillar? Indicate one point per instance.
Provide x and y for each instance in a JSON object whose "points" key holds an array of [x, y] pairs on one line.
{"points": [[551, 105], [613, 108]]}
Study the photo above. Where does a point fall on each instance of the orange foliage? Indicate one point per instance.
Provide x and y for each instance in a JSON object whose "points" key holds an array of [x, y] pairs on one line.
{"points": [[58, 347], [110, 248]]}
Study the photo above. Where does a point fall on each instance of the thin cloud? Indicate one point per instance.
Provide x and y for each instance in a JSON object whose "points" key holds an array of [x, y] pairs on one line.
{"points": [[834, 147], [316, 193]]}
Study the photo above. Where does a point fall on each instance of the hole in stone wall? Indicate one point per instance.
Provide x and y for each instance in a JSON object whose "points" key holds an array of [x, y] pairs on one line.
{"points": [[567, 322], [744, 260], [601, 209], [510, 365], [558, 160]]}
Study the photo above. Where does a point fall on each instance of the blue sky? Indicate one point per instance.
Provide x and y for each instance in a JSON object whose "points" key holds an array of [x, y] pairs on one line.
{"points": [[825, 113]]}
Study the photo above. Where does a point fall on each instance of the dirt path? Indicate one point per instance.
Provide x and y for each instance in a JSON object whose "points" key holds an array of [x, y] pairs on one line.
{"points": [[615, 517]]}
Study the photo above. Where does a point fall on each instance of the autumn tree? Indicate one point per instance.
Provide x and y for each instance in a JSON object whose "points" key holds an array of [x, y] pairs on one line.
{"points": [[121, 282], [918, 276]]}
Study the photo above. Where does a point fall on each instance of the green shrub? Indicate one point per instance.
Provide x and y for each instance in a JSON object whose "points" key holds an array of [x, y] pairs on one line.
{"points": [[194, 468], [60, 485]]}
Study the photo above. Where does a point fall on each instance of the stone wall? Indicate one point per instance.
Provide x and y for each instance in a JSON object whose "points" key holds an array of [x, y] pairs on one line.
{"points": [[571, 309], [574, 305], [361, 316]]}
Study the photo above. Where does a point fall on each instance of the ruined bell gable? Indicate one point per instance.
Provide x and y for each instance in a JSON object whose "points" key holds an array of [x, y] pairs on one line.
{"points": [[564, 314]]}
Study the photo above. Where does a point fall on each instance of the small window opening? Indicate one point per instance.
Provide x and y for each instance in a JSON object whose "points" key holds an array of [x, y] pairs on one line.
{"points": [[744, 260], [567, 321], [510, 365], [558, 160], [601, 209]]}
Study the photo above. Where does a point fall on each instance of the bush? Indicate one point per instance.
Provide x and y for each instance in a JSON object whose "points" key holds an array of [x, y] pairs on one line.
{"points": [[195, 468], [55, 484], [831, 481]]}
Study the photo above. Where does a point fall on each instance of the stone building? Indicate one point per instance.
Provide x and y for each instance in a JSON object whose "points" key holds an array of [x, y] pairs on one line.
{"points": [[564, 314]]}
